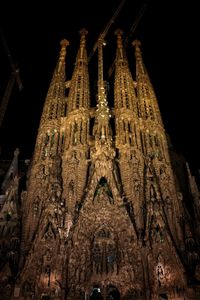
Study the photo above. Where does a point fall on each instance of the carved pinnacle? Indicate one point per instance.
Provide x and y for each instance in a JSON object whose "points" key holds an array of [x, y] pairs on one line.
{"points": [[83, 32], [136, 43], [119, 33], [64, 43]]}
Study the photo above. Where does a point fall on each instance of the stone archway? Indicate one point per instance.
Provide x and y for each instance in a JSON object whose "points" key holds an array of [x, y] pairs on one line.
{"points": [[163, 296], [96, 293], [112, 293]]}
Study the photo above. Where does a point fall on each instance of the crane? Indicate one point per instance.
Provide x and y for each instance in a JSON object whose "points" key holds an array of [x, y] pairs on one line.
{"points": [[133, 28], [14, 77], [102, 35], [108, 25]]}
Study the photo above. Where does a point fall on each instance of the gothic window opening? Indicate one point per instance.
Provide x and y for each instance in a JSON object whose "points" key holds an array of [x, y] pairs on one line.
{"points": [[145, 111], [62, 140], [111, 257], [46, 145], [77, 100], [156, 140], [151, 140], [81, 138], [104, 252], [65, 106], [142, 143], [163, 296], [162, 148], [138, 110], [53, 137], [96, 293], [47, 275], [156, 233], [160, 273], [51, 111], [153, 195], [49, 234], [112, 127], [71, 186], [75, 133], [103, 233], [135, 133], [151, 112], [129, 127], [71, 194], [91, 126], [103, 190]]}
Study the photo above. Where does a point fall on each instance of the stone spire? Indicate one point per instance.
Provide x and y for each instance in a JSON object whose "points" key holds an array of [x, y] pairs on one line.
{"points": [[77, 123], [124, 86], [79, 94], [159, 178], [128, 135], [125, 99], [153, 135], [54, 107], [75, 132], [54, 103], [46, 161], [148, 106]]}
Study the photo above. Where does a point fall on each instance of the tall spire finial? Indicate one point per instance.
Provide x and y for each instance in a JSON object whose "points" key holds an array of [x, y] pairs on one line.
{"points": [[64, 43], [79, 94], [119, 33], [146, 96], [124, 91], [83, 32], [137, 44]]}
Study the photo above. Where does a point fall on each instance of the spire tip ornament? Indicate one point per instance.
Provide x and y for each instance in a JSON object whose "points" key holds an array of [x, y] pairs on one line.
{"points": [[83, 31], [136, 43], [64, 43], [118, 32]]}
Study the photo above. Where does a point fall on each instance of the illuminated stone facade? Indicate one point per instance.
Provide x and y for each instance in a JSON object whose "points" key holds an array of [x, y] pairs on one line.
{"points": [[103, 214]]}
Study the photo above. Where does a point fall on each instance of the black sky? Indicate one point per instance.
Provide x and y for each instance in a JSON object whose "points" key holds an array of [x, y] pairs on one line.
{"points": [[169, 34]]}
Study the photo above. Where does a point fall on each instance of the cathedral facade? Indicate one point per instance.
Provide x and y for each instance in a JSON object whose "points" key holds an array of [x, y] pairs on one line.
{"points": [[105, 214]]}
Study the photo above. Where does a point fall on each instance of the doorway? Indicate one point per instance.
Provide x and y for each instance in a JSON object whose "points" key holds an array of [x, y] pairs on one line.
{"points": [[96, 293], [112, 293]]}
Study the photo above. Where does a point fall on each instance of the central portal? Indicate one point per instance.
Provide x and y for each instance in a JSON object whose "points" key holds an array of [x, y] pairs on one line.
{"points": [[106, 293]]}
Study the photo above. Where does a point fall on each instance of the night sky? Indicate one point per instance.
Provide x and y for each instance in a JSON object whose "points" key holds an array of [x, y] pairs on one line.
{"points": [[169, 34]]}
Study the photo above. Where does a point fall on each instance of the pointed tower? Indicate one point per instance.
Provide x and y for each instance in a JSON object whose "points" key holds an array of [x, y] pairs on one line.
{"points": [[159, 178], [44, 182], [128, 140], [75, 133]]}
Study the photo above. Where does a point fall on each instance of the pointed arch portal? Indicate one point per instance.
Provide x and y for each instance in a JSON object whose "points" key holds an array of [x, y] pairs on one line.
{"points": [[112, 293], [106, 293]]}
